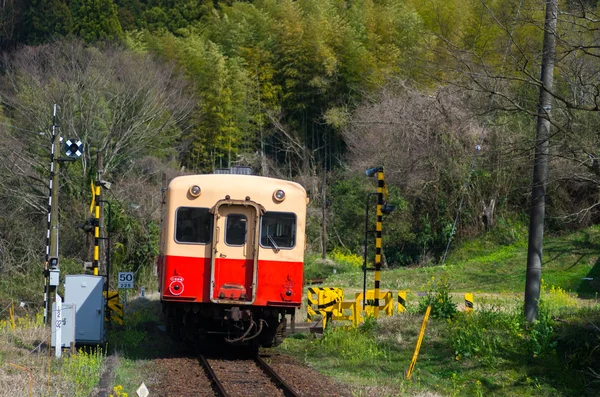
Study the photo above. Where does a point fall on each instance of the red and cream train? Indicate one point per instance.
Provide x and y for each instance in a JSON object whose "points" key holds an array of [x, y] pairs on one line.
{"points": [[231, 256]]}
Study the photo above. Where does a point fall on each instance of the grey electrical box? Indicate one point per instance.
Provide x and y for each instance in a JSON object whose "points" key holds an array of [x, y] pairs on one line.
{"points": [[85, 291], [54, 277], [66, 322]]}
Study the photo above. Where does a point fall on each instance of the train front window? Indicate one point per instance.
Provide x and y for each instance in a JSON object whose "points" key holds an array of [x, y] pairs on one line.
{"points": [[236, 226], [193, 225], [278, 230]]}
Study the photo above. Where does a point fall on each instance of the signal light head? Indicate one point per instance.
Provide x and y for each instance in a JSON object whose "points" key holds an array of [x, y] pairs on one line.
{"points": [[371, 172], [387, 209], [279, 195], [195, 191]]}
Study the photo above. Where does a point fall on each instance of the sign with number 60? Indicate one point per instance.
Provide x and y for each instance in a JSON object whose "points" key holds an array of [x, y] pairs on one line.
{"points": [[125, 279]]}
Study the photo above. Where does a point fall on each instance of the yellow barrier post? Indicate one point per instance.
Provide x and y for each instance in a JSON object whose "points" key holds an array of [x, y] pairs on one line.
{"points": [[468, 302], [116, 308], [389, 304], [341, 315], [329, 301], [358, 298], [310, 300], [11, 314], [418, 347], [401, 301]]}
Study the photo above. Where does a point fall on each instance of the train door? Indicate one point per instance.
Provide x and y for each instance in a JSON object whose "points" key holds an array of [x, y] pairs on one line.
{"points": [[235, 252]]}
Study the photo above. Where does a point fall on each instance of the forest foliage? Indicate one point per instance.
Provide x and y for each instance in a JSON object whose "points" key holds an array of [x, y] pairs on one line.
{"points": [[442, 93]]}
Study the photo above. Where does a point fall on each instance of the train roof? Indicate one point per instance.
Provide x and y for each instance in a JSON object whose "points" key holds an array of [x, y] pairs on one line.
{"points": [[230, 183]]}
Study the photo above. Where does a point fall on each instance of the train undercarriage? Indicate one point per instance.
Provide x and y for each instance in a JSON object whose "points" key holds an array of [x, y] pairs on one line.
{"points": [[237, 325]]}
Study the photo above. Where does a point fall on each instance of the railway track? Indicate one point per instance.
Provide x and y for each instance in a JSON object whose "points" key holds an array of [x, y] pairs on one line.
{"points": [[245, 377]]}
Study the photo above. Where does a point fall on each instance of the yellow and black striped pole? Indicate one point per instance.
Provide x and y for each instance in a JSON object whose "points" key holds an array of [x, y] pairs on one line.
{"points": [[97, 198], [378, 232]]}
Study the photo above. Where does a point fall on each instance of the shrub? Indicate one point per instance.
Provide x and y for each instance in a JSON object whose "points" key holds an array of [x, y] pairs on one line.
{"points": [[347, 261], [439, 299], [485, 332]]}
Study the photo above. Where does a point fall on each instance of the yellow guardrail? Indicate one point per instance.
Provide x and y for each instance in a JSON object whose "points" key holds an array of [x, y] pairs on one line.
{"points": [[368, 303], [329, 303]]}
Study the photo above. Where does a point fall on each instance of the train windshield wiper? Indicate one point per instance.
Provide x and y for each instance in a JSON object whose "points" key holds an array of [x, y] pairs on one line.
{"points": [[273, 242]]}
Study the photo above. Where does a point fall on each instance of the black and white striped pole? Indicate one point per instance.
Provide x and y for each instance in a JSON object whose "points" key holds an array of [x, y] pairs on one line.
{"points": [[51, 263], [73, 150]]}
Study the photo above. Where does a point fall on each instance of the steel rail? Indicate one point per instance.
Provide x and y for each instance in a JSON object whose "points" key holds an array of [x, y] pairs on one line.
{"points": [[213, 377], [287, 389]]}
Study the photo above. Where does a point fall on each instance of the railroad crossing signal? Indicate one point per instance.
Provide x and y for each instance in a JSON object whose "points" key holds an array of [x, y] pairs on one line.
{"points": [[73, 148]]}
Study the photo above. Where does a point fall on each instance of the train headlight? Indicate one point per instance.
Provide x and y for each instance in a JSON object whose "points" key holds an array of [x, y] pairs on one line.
{"points": [[195, 191], [279, 195]]}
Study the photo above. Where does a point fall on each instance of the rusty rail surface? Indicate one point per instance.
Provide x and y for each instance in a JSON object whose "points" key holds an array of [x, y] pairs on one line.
{"points": [[281, 384], [256, 361], [219, 389]]}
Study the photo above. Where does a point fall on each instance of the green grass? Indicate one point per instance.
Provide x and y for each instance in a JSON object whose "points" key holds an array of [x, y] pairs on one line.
{"points": [[137, 343], [129, 374], [481, 266], [491, 351], [488, 352]]}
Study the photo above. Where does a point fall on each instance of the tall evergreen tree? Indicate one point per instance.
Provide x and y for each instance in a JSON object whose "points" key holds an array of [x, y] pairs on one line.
{"points": [[11, 22], [46, 20], [96, 20]]}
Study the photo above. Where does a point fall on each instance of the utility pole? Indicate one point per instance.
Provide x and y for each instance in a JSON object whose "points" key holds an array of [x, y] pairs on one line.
{"points": [[540, 168], [52, 232], [99, 248], [324, 199]]}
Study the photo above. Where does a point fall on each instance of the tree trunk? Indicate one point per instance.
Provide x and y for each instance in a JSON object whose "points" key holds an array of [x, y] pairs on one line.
{"points": [[324, 202], [487, 215], [540, 168]]}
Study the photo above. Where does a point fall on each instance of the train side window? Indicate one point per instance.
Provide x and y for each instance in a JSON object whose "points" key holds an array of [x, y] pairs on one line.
{"points": [[193, 225], [278, 230], [236, 226]]}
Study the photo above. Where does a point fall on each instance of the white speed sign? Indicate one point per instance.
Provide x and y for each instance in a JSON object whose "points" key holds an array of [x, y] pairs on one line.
{"points": [[125, 279]]}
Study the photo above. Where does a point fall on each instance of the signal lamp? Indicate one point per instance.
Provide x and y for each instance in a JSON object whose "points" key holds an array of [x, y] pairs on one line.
{"points": [[371, 172], [195, 191], [53, 262], [387, 209], [279, 195]]}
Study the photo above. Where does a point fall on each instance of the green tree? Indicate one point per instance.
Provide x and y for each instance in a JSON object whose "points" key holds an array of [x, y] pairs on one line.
{"points": [[96, 20], [47, 20], [12, 28]]}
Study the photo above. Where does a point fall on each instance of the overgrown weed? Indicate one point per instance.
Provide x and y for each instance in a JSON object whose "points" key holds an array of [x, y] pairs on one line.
{"points": [[354, 345], [82, 370], [438, 297]]}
